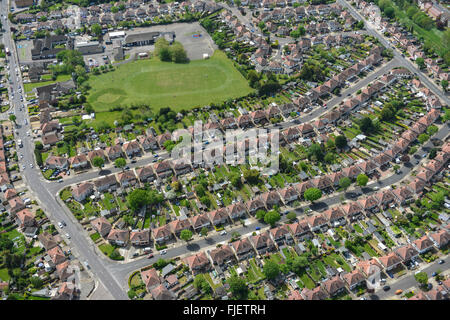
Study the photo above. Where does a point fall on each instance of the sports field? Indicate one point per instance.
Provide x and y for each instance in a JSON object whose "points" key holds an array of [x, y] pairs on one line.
{"points": [[165, 84]]}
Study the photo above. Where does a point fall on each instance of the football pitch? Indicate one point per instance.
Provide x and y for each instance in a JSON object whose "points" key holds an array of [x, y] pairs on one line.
{"points": [[166, 84]]}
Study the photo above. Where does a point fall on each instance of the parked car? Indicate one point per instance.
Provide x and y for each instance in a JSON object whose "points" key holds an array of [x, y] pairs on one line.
{"points": [[223, 233], [164, 251], [386, 288]]}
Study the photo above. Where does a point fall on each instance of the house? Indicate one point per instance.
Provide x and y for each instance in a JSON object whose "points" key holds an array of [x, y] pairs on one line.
{"points": [[384, 197], [114, 152], [369, 267], [335, 216], [118, 237], [403, 194], [322, 183], [281, 234], [315, 294], [368, 204], [219, 216], [222, 255], [106, 183], [25, 219], [145, 174], [96, 153], [236, 210], [102, 226], [15, 205], [416, 186], [200, 221], [163, 169], [54, 162], [425, 175], [82, 191], [181, 166], [354, 279], [407, 253], [334, 286], [198, 263], [390, 261], [148, 143], [243, 249], [47, 241], [56, 255], [263, 243], [254, 205], [64, 271], [131, 148], [317, 223], [162, 293], [300, 230], [423, 244], [162, 234], [288, 194], [352, 210], [140, 237], [127, 178], [150, 278], [179, 225], [440, 239], [302, 187], [351, 172]]}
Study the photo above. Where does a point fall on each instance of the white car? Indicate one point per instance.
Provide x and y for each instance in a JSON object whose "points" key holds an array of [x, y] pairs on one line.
{"points": [[164, 251], [223, 233], [31, 165], [60, 225], [67, 236]]}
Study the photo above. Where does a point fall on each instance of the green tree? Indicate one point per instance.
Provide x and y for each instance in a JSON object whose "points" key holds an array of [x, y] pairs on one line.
{"points": [[345, 182], [312, 194], [120, 162], [204, 231], [238, 287], [431, 130], [202, 284], [362, 180], [366, 125], [420, 62], [271, 270], [137, 199], [260, 214], [291, 216], [389, 11], [315, 151], [272, 217], [162, 49], [340, 141], [96, 29], [252, 176], [329, 157], [444, 84], [299, 264], [423, 138], [421, 278], [131, 294], [98, 162], [13, 118], [186, 235], [178, 53]]}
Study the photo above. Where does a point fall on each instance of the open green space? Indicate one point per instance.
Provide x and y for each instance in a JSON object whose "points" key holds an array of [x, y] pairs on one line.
{"points": [[164, 84]]}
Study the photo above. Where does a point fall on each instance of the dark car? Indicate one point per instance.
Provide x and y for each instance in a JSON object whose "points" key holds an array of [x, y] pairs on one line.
{"points": [[386, 288]]}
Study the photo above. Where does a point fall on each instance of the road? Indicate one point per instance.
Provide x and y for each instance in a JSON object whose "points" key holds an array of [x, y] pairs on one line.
{"points": [[409, 281], [403, 61], [82, 247], [113, 275]]}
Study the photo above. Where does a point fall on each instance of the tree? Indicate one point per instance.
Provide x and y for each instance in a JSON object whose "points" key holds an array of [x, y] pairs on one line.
{"points": [[366, 125], [252, 176], [345, 182], [431, 130], [201, 283], [238, 287], [138, 198], [96, 29], [362, 179], [387, 114], [204, 231], [260, 214], [13, 118], [178, 53], [98, 162], [120, 163], [312, 194], [162, 49], [444, 84], [420, 62], [432, 154], [340, 141], [329, 157], [421, 278], [299, 264], [186, 235], [423, 138], [271, 270], [272, 217], [36, 282], [315, 151], [235, 179], [131, 294], [389, 11], [291, 216]]}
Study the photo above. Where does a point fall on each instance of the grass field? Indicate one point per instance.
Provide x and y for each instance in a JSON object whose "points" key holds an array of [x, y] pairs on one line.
{"points": [[164, 84]]}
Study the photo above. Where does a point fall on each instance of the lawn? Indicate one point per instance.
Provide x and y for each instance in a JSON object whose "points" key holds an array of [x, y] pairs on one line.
{"points": [[106, 248], [162, 84], [4, 276]]}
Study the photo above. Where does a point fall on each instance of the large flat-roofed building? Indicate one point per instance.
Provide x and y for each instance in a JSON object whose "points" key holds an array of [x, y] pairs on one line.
{"points": [[141, 39], [116, 35], [90, 47]]}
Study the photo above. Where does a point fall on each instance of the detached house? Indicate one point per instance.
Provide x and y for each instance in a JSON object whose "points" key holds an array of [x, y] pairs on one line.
{"points": [[140, 237], [150, 278], [354, 279], [390, 261], [198, 263], [423, 244], [407, 253], [440, 239], [118, 237], [25, 219], [82, 191], [162, 234], [334, 286], [102, 226]]}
